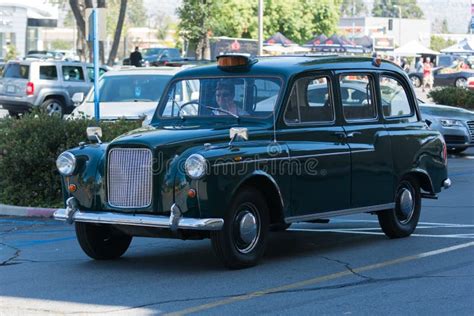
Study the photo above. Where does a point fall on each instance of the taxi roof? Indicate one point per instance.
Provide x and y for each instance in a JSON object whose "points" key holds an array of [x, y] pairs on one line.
{"points": [[287, 66]]}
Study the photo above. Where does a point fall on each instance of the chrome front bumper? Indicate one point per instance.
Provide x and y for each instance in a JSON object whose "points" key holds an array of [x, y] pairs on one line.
{"points": [[174, 222]]}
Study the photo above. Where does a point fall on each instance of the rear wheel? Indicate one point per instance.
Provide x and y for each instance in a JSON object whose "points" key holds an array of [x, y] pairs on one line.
{"points": [[102, 242], [13, 114], [461, 82], [402, 220], [241, 242], [53, 107]]}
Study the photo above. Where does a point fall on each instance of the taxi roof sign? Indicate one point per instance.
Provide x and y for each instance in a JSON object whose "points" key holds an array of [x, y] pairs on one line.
{"points": [[235, 60]]}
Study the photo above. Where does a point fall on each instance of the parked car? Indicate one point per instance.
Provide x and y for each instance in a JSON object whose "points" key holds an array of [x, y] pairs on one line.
{"points": [[470, 83], [444, 76], [46, 84], [455, 124], [127, 94], [235, 165], [161, 56]]}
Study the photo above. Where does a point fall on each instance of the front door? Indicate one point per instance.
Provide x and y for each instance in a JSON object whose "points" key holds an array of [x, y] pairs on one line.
{"points": [[319, 163], [369, 142]]}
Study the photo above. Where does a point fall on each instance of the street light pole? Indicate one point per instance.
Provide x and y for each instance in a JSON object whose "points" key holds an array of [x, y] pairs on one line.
{"points": [[399, 24], [260, 27]]}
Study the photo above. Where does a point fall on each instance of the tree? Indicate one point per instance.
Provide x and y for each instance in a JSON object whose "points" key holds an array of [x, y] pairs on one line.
{"points": [[78, 9], [351, 8], [387, 8], [11, 53], [195, 24], [438, 43]]}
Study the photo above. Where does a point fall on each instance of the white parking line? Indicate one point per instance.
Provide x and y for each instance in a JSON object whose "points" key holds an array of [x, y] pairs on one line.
{"points": [[419, 223], [365, 232]]}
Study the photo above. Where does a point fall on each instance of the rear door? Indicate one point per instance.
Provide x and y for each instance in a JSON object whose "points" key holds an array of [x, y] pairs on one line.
{"points": [[369, 142], [14, 80], [319, 165], [74, 79]]}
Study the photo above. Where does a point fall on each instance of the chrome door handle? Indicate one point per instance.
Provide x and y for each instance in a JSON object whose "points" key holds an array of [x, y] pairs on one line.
{"points": [[352, 134]]}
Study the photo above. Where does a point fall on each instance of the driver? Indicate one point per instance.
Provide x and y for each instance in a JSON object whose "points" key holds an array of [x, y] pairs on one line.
{"points": [[225, 93]]}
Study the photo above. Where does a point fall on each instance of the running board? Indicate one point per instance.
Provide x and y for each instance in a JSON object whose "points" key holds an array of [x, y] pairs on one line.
{"points": [[429, 196], [325, 215]]}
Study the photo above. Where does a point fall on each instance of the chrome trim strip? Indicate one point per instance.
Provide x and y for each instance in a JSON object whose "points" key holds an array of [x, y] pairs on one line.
{"points": [[325, 215], [157, 221], [291, 157]]}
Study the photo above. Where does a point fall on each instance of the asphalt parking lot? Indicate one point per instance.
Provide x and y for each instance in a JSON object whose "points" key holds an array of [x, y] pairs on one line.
{"points": [[345, 267]]}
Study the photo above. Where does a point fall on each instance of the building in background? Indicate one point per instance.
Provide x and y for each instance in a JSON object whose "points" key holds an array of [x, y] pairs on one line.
{"points": [[21, 22], [400, 31]]}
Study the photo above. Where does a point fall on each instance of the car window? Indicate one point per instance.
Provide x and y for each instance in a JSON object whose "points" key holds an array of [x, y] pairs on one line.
{"points": [[48, 72], [310, 101], [16, 71], [73, 73], [136, 88], [394, 98], [90, 73], [356, 97], [242, 96]]}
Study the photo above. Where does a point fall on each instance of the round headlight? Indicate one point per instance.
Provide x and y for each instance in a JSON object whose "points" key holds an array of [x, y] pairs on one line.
{"points": [[195, 166], [66, 163]]}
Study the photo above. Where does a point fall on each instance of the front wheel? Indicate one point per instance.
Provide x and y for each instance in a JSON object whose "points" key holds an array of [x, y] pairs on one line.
{"points": [[416, 81], [102, 242], [402, 220], [241, 242]]}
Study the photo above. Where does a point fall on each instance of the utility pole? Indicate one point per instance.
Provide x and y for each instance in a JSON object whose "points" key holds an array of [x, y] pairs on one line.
{"points": [[399, 24], [260, 27]]}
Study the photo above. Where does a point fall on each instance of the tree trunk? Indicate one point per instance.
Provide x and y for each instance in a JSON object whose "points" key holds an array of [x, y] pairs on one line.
{"points": [[101, 4], [118, 32], [78, 10]]}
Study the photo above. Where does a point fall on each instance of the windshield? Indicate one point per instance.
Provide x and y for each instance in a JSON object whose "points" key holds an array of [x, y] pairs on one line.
{"points": [[232, 96], [131, 88]]}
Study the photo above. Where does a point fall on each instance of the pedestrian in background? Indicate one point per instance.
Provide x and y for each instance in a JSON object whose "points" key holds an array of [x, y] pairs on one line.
{"points": [[427, 74], [136, 58]]}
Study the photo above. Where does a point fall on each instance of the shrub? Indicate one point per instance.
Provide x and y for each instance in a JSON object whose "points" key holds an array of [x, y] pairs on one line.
{"points": [[453, 96], [28, 150]]}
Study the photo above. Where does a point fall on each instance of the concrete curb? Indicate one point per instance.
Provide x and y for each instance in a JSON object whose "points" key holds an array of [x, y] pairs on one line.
{"points": [[11, 210]]}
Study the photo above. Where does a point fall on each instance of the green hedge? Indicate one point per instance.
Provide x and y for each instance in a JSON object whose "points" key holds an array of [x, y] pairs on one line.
{"points": [[453, 96], [29, 147]]}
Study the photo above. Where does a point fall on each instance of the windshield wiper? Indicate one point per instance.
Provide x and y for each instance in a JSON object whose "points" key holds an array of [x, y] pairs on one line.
{"points": [[222, 110]]}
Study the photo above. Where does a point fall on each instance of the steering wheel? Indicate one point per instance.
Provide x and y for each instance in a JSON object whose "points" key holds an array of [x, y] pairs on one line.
{"points": [[182, 106]]}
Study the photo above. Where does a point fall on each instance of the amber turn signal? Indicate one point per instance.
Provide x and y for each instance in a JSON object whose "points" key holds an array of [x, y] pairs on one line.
{"points": [[72, 188], [191, 193]]}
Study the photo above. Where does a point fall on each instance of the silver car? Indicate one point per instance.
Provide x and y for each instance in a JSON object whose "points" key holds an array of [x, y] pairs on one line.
{"points": [[47, 84], [455, 124]]}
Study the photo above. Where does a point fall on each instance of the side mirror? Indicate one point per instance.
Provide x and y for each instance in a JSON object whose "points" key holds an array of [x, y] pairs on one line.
{"points": [[94, 134], [77, 98], [428, 122]]}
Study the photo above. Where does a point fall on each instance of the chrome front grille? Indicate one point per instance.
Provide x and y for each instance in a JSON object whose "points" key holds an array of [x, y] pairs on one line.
{"points": [[470, 124], [129, 177]]}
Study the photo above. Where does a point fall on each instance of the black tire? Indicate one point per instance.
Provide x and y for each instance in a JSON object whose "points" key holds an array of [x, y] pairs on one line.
{"points": [[229, 244], [13, 114], [402, 220], [279, 227], [456, 150], [54, 107], [102, 242], [417, 81]]}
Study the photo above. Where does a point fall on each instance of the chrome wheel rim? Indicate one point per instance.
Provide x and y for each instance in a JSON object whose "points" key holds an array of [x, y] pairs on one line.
{"points": [[416, 82], [461, 83], [54, 108], [406, 204], [246, 228]]}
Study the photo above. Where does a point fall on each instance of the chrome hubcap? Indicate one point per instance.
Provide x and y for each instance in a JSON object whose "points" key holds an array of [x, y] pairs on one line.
{"points": [[246, 229], [54, 108], [461, 83], [406, 205]]}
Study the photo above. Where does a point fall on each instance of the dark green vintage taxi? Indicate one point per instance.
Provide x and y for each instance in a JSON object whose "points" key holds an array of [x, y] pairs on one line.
{"points": [[246, 146]]}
